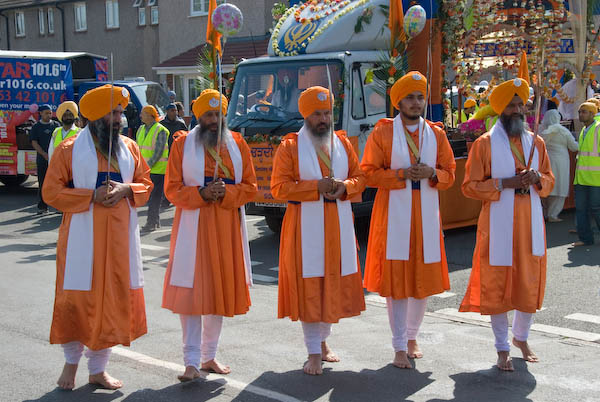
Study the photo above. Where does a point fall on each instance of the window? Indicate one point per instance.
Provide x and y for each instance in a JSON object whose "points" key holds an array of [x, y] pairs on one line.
{"points": [[112, 13], [200, 7], [80, 17], [50, 20], [151, 3], [138, 3], [19, 23], [141, 16], [42, 21], [154, 15]]}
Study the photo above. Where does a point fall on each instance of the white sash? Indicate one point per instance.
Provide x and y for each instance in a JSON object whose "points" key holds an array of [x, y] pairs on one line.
{"points": [[502, 211], [80, 244], [184, 256], [400, 201], [312, 213]]}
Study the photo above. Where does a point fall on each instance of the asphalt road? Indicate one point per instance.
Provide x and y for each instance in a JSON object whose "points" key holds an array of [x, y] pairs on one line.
{"points": [[266, 354]]}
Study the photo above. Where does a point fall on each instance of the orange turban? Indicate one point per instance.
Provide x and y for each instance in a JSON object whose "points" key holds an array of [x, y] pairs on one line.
{"points": [[469, 103], [313, 98], [151, 110], [95, 103], [504, 93], [68, 105], [589, 106], [595, 101], [411, 82], [209, 100]]}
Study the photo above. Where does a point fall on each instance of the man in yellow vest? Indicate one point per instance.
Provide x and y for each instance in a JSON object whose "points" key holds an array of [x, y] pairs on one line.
{"points": [[66, 113], [152, 139], [587, 175]]}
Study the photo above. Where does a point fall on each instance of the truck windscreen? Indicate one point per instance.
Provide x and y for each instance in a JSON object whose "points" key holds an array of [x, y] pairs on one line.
{"points": [[152, 94], [265, 95]]}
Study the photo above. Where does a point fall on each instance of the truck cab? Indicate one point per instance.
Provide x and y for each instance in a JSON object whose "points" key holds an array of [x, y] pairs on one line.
{"points": [[264, 100]]}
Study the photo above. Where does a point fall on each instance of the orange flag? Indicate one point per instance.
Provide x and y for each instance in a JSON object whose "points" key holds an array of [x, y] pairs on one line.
{"points": [[523, 68], [212, 36], [396, 21]]}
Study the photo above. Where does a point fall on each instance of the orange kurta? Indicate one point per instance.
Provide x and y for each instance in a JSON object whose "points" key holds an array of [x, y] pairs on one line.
{"points": [[333, 296], [396, 278], [110, 313], [493, 289], [219, 278]]}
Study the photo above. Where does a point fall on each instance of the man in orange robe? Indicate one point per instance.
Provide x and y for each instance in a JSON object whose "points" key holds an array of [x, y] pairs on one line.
{"points": [[409, 160], [509, 263], [319, 273], [99, 299], [209, 268]]}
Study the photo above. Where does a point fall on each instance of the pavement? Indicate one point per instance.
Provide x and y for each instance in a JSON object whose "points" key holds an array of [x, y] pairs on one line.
{"points": [[266, 354]]}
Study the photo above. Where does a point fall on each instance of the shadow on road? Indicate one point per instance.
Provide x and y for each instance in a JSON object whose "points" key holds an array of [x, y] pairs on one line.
{"points": [[493, 385], [84, 393], [388, 383], [198, 390]]}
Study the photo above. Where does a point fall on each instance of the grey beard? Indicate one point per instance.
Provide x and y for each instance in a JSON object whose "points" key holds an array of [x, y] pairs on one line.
{"points": [[100, 129], [209, 138], [319, 140], [514, 125]]}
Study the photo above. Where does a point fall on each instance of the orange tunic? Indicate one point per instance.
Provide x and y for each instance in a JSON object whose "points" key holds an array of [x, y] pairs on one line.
{"points": [[110, 313], [219, 278], [493, 289], [396, 278], [333, 296]]}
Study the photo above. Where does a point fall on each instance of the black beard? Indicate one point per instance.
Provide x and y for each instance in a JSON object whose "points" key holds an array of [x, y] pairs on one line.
{"points": [[320, 131], [513, 124], [68, 122], [100, 129]]}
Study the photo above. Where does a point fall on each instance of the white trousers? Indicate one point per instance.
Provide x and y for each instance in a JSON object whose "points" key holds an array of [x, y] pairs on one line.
{"points": [[520, 328], [97, 359], [200, 338], [555, 205], [314, 334], [406, 316]]}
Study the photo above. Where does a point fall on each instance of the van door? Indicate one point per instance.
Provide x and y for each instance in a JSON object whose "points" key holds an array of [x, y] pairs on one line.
{"points": [[367, 103]]}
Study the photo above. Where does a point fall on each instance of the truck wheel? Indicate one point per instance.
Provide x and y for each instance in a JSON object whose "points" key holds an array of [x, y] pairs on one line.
{"points": [[274, 223], [13, 181]]}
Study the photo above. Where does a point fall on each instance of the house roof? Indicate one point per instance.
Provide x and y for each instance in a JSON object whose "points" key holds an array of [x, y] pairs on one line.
{"points": [[235, 50]]}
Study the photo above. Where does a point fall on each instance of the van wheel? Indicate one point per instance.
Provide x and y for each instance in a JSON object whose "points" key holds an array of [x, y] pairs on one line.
{"points": [[14, 181], [274, 223]]}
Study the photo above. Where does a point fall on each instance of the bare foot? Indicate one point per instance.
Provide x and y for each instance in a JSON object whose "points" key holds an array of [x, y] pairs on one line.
{"points": [[313, 365], [104, 380], [414, 351], [578, 244], [401, 360], [191, 373], [551, 219], [213, 366], [327, 354], [66, 380], [528, 354], [573, 231], [505, 362]]}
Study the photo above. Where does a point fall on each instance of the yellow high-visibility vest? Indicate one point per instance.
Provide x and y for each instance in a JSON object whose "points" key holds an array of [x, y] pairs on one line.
{"points": [[147, 142], [587, 172], [58, 136]]}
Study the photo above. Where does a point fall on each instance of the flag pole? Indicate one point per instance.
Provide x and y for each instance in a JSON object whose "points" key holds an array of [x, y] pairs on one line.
{"points": [[331, 131], [538, 106], [110, 137]]}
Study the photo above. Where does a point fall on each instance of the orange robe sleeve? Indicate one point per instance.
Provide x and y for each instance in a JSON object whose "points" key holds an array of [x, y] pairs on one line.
{"points": [[56, 191], [547, 179], [376, 160], [357, 181], [141, 185], [239, 194], [445, 164], [187, 197], [478, 182], [285, 183]]}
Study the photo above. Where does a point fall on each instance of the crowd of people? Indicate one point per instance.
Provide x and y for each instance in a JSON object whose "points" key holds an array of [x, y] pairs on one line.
{"points": [[98, 178]]}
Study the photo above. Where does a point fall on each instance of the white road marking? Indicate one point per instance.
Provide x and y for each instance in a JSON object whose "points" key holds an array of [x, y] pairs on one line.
{"points": [[445, 295], [254, 219], [155, 260], [264, 278], [162, 231], [255, 263], [225, 380], [548, 329], [584, 317], [274, 268], [375, 299], [153, 247]]}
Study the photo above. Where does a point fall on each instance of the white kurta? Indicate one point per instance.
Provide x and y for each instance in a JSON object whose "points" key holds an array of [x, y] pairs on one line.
{"points": [[559, 141]]}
